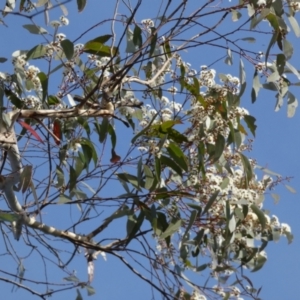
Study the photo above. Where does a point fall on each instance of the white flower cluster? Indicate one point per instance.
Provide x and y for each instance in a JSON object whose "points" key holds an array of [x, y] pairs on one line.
{"points": [[63, 21]]}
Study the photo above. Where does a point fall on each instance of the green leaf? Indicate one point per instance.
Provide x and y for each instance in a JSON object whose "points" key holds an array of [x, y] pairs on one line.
{"points": [[247, 168], [97, 47], [60, 177], [25, 178], [8, 217], [288, 49], [153, 41], [89, 151], [177, 155], [113, 136], [52, 100], [81, 5], [63, 199], [73, 179], [172, 228], [271, 44], [130, 179], [259, 262], [192, 220], [137, 36], [3, 59], [235, 15], [125, 211], [210, 202], [280, 63], [72, 278], [143, 131], [250, 121], [36, 52], [249, 39], [44, 82], [229, 58], [16, 101], [133, 225], [260, 215], [149, 178], [242, 73], [171, 164], [90, 290], [68, 48], [199, 236], [294, 25], [219, 148], [34, 29]]}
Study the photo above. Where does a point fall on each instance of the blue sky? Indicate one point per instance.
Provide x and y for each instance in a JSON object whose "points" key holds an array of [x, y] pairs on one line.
{"points": [[276, 147]]}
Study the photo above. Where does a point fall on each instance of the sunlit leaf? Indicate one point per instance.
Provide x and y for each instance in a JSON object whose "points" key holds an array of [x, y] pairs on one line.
{"points": [[172, 228], [235, 15], [294, 25], [292, 190], [35, 29], [38, 51]]}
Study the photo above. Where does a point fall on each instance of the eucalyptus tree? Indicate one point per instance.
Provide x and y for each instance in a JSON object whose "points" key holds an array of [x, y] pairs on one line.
{"points": [[120, 146]]}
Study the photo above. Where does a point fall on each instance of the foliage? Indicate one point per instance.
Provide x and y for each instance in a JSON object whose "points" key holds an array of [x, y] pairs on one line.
{"points": [[136, 136]]}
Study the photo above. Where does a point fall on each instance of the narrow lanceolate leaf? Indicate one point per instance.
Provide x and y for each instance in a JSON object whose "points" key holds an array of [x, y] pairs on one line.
{"points": [[176, 153], [60, 177], [292, 104], [260, 215], [153, 41], [25, 178], [249, 39], [137, 36], [31, 130], [171, 164], [250, 121], [172, 228], [293, 70], [57, 131], [294, 25], [242, 72], [34, 29], [292, 190], [229, 58], [44, 82], [247, 168], [81, 5], [3, 59], [288, 49], [68, 48], [191, 221], [255, 87], [149, 178], [280, 63], [210, 202]]}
